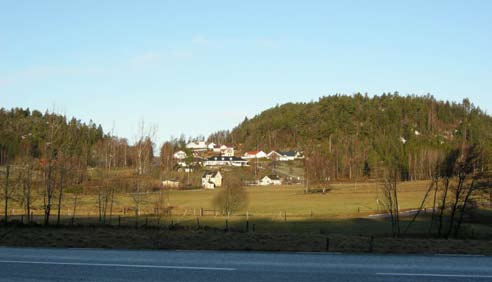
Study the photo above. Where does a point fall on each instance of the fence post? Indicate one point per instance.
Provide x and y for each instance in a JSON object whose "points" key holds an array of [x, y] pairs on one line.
{"points": [[201, 212], [247, 225], [285, 216], [197, 222], [327, 244], [226, 225]]}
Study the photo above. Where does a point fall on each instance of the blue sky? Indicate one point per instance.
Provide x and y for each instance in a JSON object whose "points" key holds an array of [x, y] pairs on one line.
{"points": [[195, 67]]}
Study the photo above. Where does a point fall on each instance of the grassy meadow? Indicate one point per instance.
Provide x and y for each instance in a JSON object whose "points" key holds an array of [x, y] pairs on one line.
{"points": [[345, 209]]}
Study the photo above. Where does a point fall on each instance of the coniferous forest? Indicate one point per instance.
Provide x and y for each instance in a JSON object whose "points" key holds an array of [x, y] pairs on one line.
{"points": [[353, 135]]}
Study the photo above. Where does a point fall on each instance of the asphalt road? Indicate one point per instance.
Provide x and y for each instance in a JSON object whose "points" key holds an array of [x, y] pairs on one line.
{"points": [[30, 264]]}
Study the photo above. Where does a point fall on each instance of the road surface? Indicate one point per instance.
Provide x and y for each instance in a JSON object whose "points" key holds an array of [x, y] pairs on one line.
{"points": [[31, 264]]}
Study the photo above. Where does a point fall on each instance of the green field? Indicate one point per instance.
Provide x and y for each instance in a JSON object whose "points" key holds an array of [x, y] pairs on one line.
{"points": [[280, 209], [342, 201]]}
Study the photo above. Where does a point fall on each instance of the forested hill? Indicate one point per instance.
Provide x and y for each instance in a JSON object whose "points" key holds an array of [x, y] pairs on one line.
{"points": [[354, 129], [30, 133]]}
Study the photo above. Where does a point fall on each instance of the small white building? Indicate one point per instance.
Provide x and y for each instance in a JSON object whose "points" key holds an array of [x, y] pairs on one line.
{"points": [[255, 155], [288, 156], [211, 179], [180, 155], [197, 146], [284, 156], [170, 184], [270, 180], [211, 146]]}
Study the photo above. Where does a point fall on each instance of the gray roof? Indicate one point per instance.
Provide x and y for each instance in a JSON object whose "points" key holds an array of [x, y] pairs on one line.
{"points": [[288, 153], [274, 177]]}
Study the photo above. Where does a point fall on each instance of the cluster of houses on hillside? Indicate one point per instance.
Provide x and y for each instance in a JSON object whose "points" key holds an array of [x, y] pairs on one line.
{"points": [[203, 154], [224, 155]]}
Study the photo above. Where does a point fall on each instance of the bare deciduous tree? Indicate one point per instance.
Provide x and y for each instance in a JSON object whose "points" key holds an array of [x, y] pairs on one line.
{"points": [[144, 147], [232, 196], [390, 197]]}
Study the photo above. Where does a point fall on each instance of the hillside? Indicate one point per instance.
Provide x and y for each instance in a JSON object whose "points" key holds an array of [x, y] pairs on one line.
{"points": [[355, 132]]}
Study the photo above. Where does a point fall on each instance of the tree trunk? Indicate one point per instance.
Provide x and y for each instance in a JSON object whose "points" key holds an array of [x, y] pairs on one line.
{"points": [[74, 207], [463, 208], [443, 206], [60, 195], [28, 195], [434, 204], [49, 193], [111, 205], [454, 207], [7, 174]]}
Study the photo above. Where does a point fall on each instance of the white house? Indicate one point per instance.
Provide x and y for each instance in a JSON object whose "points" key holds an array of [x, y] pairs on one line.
{"points": [[274, 155], [288, 156], [225, 161], [170, 184], [228, 151], [180, 155], [197, 146], [270, 180], [211, 146], [255, 155], [211, 179]]}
